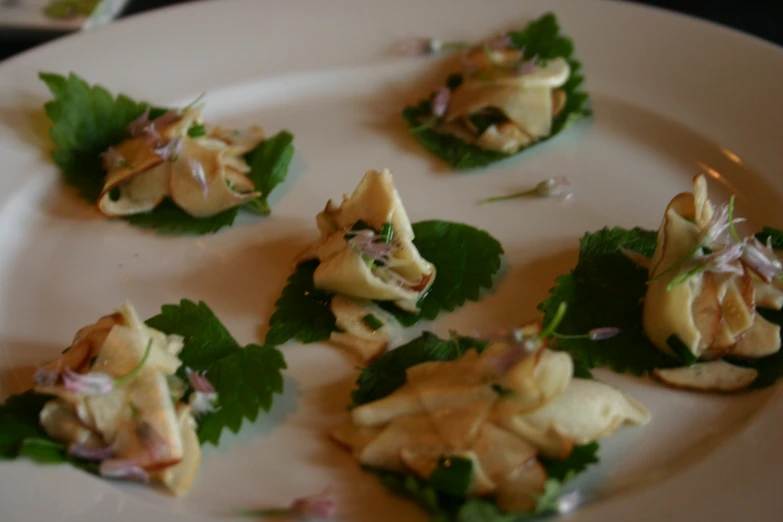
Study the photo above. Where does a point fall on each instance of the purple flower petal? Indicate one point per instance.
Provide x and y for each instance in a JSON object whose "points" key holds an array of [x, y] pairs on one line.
{"points": [[202, 403], [601, 334], [197, 171], [170, 151], [80, 451], [761, 259], [137, 126], [322, 506], [527, 67], [91, 384], [555, 187], [440, 102], [123, 469], [199, 382], [717, 226], [721, 260]]}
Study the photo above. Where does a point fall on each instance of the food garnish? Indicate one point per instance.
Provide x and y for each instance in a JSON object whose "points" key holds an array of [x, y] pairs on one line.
{"points": [[320, 507], [160, 168], [515, 91], [134, 400], [372, 272], [699, 305], [558, 187], [482, 427]]}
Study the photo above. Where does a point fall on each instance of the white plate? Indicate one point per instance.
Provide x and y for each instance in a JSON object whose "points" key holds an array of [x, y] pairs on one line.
{"points": [[673, 97]]}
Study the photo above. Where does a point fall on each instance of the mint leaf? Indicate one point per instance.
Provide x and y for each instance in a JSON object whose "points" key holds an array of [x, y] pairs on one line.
{"points": [[303, 312], [541, 37], [246, 379], [387, 373], [606, 289], [43, 451], [466, 260], [269, 165], [441, 499], [87, 120]]}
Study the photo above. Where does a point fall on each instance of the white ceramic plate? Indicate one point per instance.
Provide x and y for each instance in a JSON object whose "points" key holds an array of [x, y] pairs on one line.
{"points": [[672, 96]]}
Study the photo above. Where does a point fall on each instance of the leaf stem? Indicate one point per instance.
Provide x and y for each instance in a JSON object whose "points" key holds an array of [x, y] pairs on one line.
{"points": [[549, 331], [732, 227], [677, 264], [516, 195]]}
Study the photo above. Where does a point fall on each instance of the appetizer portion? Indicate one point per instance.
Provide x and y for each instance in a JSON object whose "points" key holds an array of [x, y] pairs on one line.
{"points": [[705, 285], [699, 305], [514, 91], [372, 272], [115, 395], [488, 422], [160, 168], [123, 401]]}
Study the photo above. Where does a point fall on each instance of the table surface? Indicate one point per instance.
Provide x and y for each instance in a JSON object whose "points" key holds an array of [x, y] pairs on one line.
{"points": [[761, 18]]}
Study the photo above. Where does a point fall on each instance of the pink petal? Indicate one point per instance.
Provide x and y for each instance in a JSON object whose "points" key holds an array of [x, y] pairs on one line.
{"points": [[440, 102], [197, 171], [80, 451], [170, 151], [199, 381], [123, 469], [44, 377], [601, 334], [91, 384], [322, 506]]}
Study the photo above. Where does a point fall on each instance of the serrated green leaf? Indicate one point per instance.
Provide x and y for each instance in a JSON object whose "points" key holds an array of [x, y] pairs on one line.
{"points": [[540, 38], [466, 260], [246, 379], [268, 168], [303, 312], [607, 289]]}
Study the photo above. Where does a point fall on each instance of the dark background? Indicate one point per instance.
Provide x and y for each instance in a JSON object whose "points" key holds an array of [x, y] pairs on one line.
{"points": [[763, 18]]}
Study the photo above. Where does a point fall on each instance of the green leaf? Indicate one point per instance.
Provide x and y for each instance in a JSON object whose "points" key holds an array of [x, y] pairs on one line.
{"points": [[774, 234], [19, 421], [43, 451], [87, 120], [206, 339], [541, 37], [303, 312], [268, 167], [578, 461], [246, 382], [466, 260], [387, 373], [246, 379], [606, 289], [452, 475]]}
